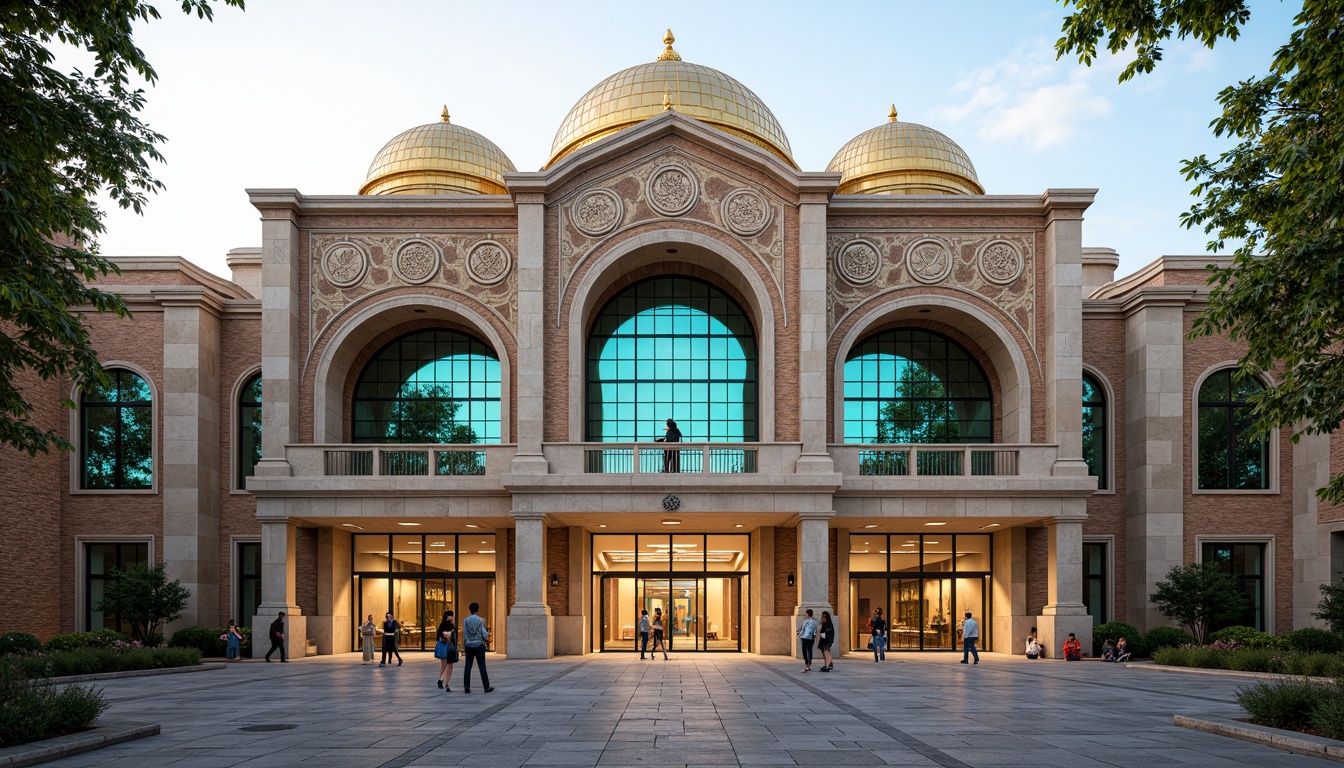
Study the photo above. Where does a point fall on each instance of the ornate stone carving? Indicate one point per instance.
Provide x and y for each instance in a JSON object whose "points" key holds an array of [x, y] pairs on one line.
{"points": [[672, 190], [416, 261], [488, 262], [597, 212], [858, 262], [745, 212], [345, 264], [1000, 262], [929, 261]]}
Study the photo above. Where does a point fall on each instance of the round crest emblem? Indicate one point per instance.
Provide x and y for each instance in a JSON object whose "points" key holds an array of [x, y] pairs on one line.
{"points": [[671, 503], [672, 190], [596, 212], [858, 262], [416, 261], [488, 262], [345, 265], [929, 261]]}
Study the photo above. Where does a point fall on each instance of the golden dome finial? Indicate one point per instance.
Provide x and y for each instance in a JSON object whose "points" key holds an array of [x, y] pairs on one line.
{"points": [[667, 100], [892, 114], [444, 114], [668, 54]]}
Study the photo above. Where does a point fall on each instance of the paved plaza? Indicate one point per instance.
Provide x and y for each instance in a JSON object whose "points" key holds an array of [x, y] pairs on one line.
{"points": [[694, 710]]}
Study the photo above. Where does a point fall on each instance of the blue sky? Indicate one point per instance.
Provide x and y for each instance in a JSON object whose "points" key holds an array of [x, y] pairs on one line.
{"points": [[302, 94]]}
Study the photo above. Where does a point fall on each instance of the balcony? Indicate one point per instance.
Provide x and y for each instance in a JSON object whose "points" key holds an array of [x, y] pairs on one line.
{"points": [[973, 469], [405, 469]]}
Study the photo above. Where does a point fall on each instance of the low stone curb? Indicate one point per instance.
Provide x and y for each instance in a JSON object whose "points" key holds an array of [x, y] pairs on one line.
{"points": [[1297, 743], [1229, 673], [136, 673], [73, 744]]}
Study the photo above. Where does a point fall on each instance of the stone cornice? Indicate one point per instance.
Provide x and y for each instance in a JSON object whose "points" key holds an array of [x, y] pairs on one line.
{"points": [[1067, 203], [187, 296], [279, 203], [1151, 271], [978, 205], [225, 289], [1180, 296]]}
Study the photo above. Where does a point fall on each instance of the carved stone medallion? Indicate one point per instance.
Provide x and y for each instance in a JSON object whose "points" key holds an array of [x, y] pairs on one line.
{"points": [[1000, 262], [597, 212], [416, 261], [345, 265], [858, 262], [489, 262], [672, 190], [745, 212], [929, 261]]}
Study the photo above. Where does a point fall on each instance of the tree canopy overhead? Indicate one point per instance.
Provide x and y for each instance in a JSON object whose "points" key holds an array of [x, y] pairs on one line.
{"points": [[1278, 193], [66, 138]]}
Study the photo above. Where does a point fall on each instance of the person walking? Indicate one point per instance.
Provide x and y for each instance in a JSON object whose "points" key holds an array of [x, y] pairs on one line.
{"points": [[391, 640], [277, 637], [659, 641], [807, 636], [671, 459], [233, 640], [878, 626], [970, 635], [825, 637], [366, 631], [474, 637], [644, 633], [445, 649]]}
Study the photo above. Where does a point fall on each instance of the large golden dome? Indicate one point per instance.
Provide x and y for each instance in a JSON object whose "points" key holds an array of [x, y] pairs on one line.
{"points": [[640, 92], [438, 159], [898, 158]]}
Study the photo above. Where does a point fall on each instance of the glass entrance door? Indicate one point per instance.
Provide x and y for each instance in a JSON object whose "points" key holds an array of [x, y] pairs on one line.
{"points": [[699, 613]]}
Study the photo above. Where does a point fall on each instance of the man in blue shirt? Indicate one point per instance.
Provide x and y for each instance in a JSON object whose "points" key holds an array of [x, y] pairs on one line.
{"points": [[970, 634], [807, 634], [474, 637]]}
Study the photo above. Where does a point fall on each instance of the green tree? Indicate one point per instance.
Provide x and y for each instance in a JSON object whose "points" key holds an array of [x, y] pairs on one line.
{"points": [[1277, 192], [144, 598], [66, 139], [1199, 596], [1331, 608]]}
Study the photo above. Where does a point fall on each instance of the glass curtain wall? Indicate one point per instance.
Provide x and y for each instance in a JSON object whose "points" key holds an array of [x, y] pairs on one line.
{"points": [[924, 584]]}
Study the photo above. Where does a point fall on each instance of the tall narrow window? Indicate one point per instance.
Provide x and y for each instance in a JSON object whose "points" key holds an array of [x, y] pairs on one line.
{"points": [[248, 580], [1094, 581], [117, 434], [1229, 458], [1246, 563], [1096, 447], [99, 563], [249, 430]]}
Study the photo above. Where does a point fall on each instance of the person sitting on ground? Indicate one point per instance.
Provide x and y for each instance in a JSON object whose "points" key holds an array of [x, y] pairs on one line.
{"points": [[1108, 650], [1033, 647], [1122, 650], [1073, 650]]}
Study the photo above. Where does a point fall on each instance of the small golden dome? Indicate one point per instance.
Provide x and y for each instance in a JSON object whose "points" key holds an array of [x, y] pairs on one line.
{"points": [[898, 158], [438, 159], [633, 95]]}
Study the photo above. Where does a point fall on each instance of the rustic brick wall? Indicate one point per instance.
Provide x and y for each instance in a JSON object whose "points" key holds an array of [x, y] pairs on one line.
{"points": [[305, 570], [1333, 513], [557, 562], [786, 562], [510, 571], [240, 352], [1038, 565], [1104, 352]]}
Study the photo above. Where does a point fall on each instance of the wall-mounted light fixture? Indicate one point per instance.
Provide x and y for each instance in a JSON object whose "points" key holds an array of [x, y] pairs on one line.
{"points": [[790, 578], [555, 580]]}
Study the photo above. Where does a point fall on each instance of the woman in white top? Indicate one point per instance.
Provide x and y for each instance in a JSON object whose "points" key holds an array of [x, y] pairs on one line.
{"points": [[366, 631], [1033, 648]]}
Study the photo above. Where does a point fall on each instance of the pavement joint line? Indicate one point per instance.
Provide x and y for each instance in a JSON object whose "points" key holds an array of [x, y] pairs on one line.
{"points": [[933, 753], [1104, 683], [415, 753]]}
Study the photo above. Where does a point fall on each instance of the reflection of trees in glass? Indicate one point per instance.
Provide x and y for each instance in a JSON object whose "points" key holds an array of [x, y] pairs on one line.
{"points": [[427, 413], [920, 412], [1229, 458], [1094, 430], [249, 430], [118, 434]]}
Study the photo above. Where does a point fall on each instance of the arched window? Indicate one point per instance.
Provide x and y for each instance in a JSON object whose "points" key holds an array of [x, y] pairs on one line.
{"points": [[1096, 443], [432, 386], [117, 434], [249, 429], [910, 385], [672, 348], [1228, 457]]}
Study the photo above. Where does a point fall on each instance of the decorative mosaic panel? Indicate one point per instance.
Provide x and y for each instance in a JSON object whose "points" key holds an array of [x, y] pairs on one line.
{"points": [[1000, 267], [349, 266]]}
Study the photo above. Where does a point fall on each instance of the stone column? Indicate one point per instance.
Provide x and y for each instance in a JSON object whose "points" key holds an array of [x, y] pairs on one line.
{"points": [[771, 634], [529, 379], [530, 621], [1064, 611], [281, 347], [1009, 583], [277, 591], [813, 568], [1154, 451], [813, 392], [1062, 352], [190, 482], [332, 627], [1311, 540]]}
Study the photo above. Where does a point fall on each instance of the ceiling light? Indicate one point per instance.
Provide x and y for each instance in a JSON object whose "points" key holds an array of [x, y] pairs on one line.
{"points": [[352, 525], [485, 551], [601, 525], [907, 545], [739, 525], [408, 524], [925, 523], [439, 544], [671, 522], [472, 525], [991, 525], [870, 525], [933, 542]]}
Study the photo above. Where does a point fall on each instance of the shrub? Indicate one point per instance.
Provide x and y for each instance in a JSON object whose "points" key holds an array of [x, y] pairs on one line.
{"points": [[17, 642], [1247, 637], [1329, 717], [34, 709], [1166, 637], [1253, 660], [202, 639], [90, 661], [1114, 630], [1331, 607], [1284, 703], [102, 638], [1312, 640], [1205, 657], [1172, 657]]}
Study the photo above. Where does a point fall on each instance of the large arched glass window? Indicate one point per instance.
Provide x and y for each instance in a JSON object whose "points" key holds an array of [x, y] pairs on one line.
{"points": [[1096, 447], [910, 385], [672, 348], [249, 429], [434, 386], [1229, 458], [117, 434]]}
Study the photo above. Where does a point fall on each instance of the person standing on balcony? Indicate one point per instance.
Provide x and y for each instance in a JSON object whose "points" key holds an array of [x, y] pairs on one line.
{"points": [[671, 459]]}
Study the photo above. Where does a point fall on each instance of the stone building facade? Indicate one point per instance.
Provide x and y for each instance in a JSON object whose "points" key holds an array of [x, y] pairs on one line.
{"points": [[894, 391]]}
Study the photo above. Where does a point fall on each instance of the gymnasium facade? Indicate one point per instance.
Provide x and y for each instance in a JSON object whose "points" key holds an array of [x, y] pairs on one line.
{"points": [[893, 389]]}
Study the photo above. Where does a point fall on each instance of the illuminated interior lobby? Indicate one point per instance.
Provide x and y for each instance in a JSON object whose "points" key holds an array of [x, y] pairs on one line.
{"points": [[893, 388]]}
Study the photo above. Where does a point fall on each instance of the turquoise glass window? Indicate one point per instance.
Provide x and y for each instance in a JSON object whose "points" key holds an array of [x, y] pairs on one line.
{"points": [[117, 434]]}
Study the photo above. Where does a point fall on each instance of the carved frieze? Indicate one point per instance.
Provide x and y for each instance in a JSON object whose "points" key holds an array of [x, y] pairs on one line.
{"points": [[596, 212], [745, 212], [1000, 262], [672, 190], [857, 261], [345, 264], [489, 262], [929, 261], [416, 261]]}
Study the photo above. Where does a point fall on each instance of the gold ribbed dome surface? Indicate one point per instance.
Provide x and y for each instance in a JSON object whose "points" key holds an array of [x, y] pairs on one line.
{"points": [[646, 90], [438, 159], [899, 158]]}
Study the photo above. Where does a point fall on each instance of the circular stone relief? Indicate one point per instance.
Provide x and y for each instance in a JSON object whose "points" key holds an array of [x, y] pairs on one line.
{"points": [[858, 261], [1000, 262], [929, 261], [672, 190], [745, 212], [345, 265], [488, 262], [597, 212], [416, 261]]}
